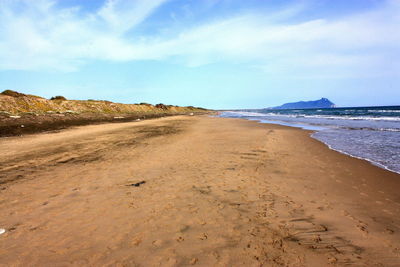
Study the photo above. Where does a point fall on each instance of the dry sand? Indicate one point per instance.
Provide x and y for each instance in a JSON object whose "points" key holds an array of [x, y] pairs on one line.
{"points": [[217, 192]]}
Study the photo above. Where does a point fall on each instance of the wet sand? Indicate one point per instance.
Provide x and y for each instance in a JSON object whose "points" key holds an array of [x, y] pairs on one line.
{"points": [[35, 123], [201, 191]]}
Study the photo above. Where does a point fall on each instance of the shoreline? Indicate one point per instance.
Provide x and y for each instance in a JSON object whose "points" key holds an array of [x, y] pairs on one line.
{"points": [[376, 164], [193, 190], [314, 130]]}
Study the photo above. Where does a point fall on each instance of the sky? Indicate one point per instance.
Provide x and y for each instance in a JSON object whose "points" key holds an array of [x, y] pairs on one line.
{"points": [[219, 54]]}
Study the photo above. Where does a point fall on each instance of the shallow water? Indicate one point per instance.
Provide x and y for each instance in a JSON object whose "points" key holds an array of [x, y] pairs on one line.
{"points": [[370, 133]]}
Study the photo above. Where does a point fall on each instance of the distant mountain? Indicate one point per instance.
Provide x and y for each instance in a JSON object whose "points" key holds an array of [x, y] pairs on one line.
{"points": [[321, 103]]}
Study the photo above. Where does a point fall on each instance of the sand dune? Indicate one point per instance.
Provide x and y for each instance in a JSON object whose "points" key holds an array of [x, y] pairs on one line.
{"points": [[200, 191]]}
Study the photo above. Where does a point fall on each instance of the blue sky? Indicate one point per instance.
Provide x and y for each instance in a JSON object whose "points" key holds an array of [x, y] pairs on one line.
{"points": [[213, 53]]}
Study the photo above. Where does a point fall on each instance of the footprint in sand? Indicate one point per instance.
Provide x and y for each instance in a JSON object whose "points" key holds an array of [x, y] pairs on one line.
{"points": [[345, 213], [321, 228], [362, 227], [157, 243], [332, 259], [170, 262], [184, 228], [388, 212], [132, 205], [193, 210], [180, 239], [317, 239], [136, 241], [203, 236], [202, 222], [389, 231]]}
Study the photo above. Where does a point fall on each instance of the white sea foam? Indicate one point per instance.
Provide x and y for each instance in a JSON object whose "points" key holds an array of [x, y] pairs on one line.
{"points": [[329, 117], [384, 111]]}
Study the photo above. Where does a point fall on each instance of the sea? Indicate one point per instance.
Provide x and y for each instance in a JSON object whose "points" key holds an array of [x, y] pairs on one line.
{"points": [[369, 133]]}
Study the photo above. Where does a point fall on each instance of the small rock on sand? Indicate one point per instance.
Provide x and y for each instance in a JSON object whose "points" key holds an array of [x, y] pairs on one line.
{"points": [[2, 231], [137, 184]]}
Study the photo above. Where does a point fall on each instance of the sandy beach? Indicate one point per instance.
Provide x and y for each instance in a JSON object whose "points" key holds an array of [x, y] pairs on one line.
{"points": [[192, 190]]}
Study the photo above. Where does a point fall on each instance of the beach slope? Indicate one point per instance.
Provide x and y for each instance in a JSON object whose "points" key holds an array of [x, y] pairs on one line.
{"points": [[192, 190]]}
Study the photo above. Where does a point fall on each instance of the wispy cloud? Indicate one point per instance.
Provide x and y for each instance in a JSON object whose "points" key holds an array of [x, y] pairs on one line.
{"points": [[39, 35], [120, 16]]}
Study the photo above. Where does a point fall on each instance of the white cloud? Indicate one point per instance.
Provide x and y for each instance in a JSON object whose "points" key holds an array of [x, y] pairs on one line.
{"points": [[46, 37]]}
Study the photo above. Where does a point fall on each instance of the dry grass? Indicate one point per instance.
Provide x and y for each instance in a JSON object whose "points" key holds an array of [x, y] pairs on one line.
{"points": [[17, 103]]}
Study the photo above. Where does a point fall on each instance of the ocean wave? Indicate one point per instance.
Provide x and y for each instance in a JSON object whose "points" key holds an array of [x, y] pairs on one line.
{"points": [[243, 114], [384, 111], [346, 117], [323, 120], [370, 129], [328, 117]]}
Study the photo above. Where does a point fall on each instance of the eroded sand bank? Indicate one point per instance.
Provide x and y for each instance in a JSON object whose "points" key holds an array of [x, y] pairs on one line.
{"points": [[217, 192]]}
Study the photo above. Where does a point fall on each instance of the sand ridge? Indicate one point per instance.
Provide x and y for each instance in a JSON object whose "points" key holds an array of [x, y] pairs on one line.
{"points": [[216, 192]]}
